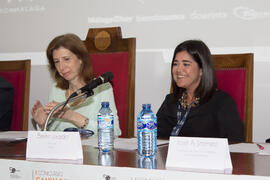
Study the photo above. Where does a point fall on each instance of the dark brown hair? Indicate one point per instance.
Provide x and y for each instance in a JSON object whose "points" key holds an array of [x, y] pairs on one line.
{"points": [[202, 55], [74, 44]]}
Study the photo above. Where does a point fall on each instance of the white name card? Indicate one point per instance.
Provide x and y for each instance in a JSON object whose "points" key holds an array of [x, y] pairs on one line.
{"points": [[54, 146], [199, 155]]}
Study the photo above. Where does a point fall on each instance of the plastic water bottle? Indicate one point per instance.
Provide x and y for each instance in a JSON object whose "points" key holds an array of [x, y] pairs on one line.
{"points": [[147, 132], [147, 162], [105, 128]]}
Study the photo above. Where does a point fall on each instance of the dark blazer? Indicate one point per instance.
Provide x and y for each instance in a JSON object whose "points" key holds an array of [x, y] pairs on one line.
{"points": [[216, 118], [6, 104]]}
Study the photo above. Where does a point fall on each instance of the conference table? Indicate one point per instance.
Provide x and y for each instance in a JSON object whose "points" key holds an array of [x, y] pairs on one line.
{"points": [[243, 163]]}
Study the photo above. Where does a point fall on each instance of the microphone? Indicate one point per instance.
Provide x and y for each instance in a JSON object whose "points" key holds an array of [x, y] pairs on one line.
{"points": [[104, 78], [87, 90]]}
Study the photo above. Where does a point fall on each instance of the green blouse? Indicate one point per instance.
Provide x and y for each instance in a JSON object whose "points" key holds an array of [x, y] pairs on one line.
{"points": [[89, 108]]}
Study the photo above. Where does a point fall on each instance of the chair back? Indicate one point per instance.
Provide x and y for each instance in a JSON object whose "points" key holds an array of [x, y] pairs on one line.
{"points": [[18, 74], [110, 52], [234, 73]]}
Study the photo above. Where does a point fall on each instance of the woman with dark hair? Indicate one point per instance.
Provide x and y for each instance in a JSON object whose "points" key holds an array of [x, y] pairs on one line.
{"points": [[71, 67], [196, 108]]}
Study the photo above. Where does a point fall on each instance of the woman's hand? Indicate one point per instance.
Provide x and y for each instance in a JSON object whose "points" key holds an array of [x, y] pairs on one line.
{"points": [[39, 114], [57, 113], [67, 114], [49, 106]]}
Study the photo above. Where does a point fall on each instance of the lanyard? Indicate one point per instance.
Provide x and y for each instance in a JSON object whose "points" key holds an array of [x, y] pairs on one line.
{"points": [[180, 121]]}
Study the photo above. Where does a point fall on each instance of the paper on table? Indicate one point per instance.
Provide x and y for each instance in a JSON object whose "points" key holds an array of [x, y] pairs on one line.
{"points": [[250, 148], [266, 150], [244, 148], [120, 143], [13, 135]]}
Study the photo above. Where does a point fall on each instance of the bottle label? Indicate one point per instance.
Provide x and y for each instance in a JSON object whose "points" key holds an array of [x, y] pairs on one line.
{"points": [[141, 125], [150, 124], [105, 122]]}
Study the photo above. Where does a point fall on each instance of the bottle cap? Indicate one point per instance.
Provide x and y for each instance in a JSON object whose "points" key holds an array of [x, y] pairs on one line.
{"points": [[146, 105], [105, 104]]}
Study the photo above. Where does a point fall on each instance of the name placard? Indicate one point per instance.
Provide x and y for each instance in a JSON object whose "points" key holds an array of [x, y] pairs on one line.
{"points": [[199, 155], [54, 146]]}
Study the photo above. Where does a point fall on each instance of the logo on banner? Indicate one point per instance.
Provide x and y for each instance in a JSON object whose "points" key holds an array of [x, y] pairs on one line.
{"points": [[108, 177], [48, 175], [14, 173]]}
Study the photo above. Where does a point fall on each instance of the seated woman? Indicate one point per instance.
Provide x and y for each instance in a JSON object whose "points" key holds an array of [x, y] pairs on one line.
{"points": [[70, 64], [196, 108]]}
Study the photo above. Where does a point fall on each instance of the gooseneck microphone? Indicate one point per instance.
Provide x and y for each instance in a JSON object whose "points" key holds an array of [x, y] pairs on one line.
{"points": [[104, 78], [87, 90], [84, 92]]}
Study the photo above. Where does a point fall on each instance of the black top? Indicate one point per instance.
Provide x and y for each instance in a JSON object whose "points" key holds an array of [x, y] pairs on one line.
{"points": [[6, 103], [216, 118]]}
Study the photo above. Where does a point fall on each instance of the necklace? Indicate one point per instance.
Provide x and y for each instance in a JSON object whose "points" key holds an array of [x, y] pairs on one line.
{"points": [[184, 104]]}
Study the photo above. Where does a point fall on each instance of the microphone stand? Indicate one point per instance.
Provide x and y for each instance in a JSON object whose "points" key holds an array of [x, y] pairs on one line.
{"points": [[84, 95]]}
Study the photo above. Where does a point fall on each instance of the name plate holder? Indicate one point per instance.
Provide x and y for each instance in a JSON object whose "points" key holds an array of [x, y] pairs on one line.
{"points": [[54, 146], [199, 155]]}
